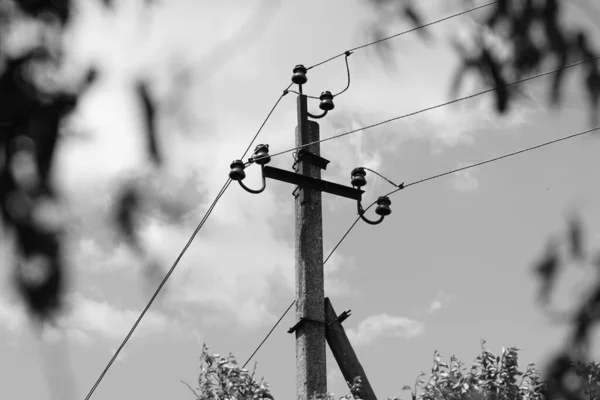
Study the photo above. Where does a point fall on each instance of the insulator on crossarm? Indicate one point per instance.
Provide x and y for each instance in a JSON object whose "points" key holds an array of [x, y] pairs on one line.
{"points": [[261, 154], [237, 170], [299, 77], [358, 177], [326, 101], [383, 206]]}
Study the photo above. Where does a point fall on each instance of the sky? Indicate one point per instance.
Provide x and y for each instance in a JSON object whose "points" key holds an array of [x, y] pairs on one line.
{"points": [[450, 266]]}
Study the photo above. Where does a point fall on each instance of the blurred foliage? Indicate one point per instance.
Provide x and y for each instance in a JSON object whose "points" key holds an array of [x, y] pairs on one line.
{"points": [[33, 100], [571, 374], [531, 36], [37, 90], [36, 93]]}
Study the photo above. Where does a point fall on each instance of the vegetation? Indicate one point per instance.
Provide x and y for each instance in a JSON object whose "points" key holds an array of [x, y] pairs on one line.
{"points": [[489, 377]]}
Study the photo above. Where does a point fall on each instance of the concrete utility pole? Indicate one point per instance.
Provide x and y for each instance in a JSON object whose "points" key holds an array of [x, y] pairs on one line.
{"points": [[311, 372], [310, 328]]}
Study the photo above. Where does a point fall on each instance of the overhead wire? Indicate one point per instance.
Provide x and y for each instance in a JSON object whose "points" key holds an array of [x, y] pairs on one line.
{"points": [[347, 72], [402, 33], [347, 54], [228, 182], [585, 132], [269, 334], [447, 103], [285, 92], [381, 176], [185, 248], [160, 286], [294, 301]]}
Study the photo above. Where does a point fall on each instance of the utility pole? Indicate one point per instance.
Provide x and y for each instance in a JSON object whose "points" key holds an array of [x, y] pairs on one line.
{"points": [[311, 328], [311, 371]]}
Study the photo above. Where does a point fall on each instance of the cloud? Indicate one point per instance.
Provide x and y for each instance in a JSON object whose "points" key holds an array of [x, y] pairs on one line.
{"points": [[12, 317], [86, 319], [383, 325], [440, 301], [464, 181], [92, 317]]}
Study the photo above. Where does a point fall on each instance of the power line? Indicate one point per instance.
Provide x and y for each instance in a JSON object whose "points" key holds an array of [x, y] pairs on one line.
{"points": [[381, 176], [436, 106], [269, 334], [342, 239], [162, 283], [187, 245], [347, 53], [403, 33], [293, 302], [497, 158], [228, 182], [285, 91], [462, 169]]}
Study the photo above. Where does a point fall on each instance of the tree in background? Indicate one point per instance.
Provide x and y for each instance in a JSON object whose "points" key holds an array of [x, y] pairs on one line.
{"points": [[489, 377]]}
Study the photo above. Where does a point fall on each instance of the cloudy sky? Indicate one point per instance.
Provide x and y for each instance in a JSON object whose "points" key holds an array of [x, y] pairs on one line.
{"points": [[450, 266]]}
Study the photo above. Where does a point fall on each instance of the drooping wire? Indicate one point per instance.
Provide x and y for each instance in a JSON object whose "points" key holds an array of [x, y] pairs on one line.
{"points": [[269, 334], [381, 176], [436, 106], [160, 286], [403, 33], [347, 71], [286, 91], [347, 54]]}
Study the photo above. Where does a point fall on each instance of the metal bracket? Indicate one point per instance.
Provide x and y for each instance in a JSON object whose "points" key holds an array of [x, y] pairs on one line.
{"points": [[303, 320], [312, 159], [341, 318], [312, 183]]}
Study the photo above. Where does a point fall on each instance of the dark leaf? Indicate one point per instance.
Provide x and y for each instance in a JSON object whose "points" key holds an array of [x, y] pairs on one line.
{"points": [[36, 8], [127, 204], [593, 88], [149, 115], [555, 88], [493, 68], [546, 270], [39, 272], [409, 12], [575, 237]]}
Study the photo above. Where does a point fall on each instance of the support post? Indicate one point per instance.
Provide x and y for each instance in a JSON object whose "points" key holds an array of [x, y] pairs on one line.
{"points": [[311, 374], [344, 353]]}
